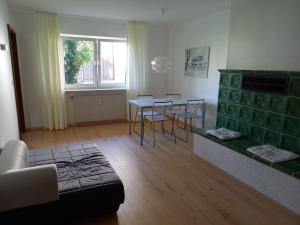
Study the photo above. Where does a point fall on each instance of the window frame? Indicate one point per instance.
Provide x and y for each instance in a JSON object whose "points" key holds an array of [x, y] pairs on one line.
{"points": [[97, 64]]}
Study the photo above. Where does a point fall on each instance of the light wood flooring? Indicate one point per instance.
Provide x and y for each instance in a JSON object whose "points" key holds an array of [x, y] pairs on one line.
{"points": [[168, 184]]}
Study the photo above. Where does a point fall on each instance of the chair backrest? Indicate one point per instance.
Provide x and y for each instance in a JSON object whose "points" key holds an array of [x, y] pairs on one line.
{"points": [[174, 96], [144, 97], [160, 107], [195, 106]]}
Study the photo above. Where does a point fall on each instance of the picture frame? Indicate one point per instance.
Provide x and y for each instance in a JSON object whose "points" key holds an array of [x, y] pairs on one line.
{"points": [[197, 62]]}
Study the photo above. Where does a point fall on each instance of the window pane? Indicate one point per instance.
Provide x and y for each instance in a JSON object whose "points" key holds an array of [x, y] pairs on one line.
{"points": [[113, 62], [79, 61]]}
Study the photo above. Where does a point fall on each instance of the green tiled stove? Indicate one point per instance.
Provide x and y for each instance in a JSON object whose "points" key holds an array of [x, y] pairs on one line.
{"points": [[264, 117]]}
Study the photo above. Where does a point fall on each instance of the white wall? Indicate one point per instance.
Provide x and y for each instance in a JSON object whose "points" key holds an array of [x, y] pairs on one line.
{"points": [[158, 46], [25, 25], [264, 35], [92, 27], [8, 114], [210, 31]]}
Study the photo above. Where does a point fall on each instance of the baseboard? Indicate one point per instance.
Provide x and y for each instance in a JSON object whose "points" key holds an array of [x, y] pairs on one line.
{"points": [[82, 124], [97, 122]]}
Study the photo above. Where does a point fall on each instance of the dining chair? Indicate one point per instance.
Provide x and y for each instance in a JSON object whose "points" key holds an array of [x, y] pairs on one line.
{"points": [[176, 109], [138, 110], [193, 109], [158, 115]]}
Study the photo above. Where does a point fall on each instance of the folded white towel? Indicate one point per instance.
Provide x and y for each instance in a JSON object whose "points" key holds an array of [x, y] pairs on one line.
{"points": [[224, 134], [272, 154]]}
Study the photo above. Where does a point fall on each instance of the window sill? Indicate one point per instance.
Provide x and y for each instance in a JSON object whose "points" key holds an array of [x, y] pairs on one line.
{"points": [[94, 89]]}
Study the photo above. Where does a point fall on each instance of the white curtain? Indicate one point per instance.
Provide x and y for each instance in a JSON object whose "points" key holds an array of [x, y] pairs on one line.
{"points": [[49, 46], [138, 61]]}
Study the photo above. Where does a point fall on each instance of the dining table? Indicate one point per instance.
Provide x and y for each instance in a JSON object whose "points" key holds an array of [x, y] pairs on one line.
{"points": [[143, 104]]}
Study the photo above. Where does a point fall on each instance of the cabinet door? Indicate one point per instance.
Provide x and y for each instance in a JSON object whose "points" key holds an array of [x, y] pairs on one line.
{"points": [[86, 109], [113, 107]]}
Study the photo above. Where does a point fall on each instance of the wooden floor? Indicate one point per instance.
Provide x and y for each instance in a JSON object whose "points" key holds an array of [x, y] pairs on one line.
{"points": [[168, 184]]}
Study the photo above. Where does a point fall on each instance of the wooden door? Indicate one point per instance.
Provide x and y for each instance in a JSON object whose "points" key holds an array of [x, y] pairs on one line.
{"points": [[16, 77]]}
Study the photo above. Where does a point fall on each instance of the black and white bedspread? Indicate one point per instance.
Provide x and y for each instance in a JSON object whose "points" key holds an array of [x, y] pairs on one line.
{"points": [[79, 166], [87, 183]]}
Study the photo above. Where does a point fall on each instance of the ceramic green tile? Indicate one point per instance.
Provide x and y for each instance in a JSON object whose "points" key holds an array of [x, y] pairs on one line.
{"points": [[292, 165], [235, 80], [263, 72], [234, 96], [221, 121], [232, 124], [222, 107], [225, 79], [223, 94], [260, 101], [272, 138], [293, 106], [282, 168], [294, 73], [290, 143], [263, 117], [233, 110], [245, 113], [280, 73], [276, 103], [274, 121], [259, 117], [294, 86], [257, 134], [244, 128], [247, 98], [292, 126]]}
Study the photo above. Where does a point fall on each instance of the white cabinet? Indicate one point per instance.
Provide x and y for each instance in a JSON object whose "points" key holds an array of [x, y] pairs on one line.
{"points": [[94, 106]]}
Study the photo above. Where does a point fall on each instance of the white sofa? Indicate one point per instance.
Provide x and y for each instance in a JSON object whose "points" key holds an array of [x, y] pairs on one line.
{"points": [[22, 186]]}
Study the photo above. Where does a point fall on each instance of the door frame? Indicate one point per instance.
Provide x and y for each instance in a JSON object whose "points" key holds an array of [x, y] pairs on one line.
{"points": [[16, 77]]}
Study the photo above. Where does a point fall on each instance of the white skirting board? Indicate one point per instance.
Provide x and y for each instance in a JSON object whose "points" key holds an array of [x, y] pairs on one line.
{"points": [[277, 185]]}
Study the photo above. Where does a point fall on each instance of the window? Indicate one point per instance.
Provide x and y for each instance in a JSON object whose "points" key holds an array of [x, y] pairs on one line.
{"points": [[94, 63]]}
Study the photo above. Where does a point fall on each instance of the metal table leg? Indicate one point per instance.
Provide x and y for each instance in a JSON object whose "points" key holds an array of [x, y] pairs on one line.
{"points": [[130, 119], [142, 125], [203, 115]]}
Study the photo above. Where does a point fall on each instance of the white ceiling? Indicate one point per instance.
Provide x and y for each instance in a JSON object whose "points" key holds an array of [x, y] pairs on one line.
{"points": [[140, 10]]}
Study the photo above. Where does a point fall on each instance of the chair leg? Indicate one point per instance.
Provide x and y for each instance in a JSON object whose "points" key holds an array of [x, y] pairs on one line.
{"points": [[173, 121], [173, 130], [187, 131], [153, 132], [191, 125], [163, 127], [135, 117]]}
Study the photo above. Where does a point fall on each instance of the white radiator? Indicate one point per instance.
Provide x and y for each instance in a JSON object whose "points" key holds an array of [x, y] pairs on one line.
{"points": [[94, 106]]}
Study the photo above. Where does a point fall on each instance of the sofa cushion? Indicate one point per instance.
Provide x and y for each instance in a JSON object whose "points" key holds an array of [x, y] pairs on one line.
{"points": [[13, 156]]}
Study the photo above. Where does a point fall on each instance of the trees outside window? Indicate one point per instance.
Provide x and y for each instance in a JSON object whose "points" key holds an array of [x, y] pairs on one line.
{"points": [[78, 57], [94, 63]]}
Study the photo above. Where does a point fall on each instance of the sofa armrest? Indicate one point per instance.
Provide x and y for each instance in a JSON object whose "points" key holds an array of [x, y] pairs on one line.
{"points": [[27, 187]]}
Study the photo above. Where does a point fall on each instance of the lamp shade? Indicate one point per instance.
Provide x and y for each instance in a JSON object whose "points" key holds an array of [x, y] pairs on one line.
{"points": [[161, 64]]}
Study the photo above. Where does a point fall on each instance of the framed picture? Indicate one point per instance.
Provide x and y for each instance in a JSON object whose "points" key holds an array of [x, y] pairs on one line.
{"points": [[196, 62]]}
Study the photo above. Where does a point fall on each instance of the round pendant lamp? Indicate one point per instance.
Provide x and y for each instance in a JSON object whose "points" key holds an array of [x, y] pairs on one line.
{"points": [[161, 64]]}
